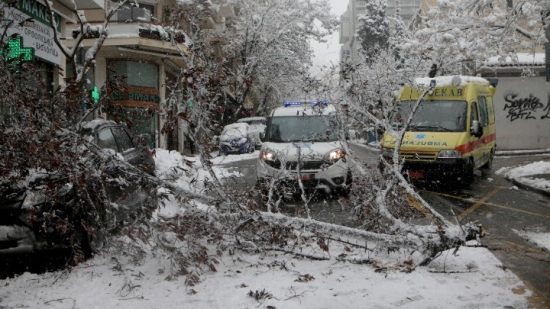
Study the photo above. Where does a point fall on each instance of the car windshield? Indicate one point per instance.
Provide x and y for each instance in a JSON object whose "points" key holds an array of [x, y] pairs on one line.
{"points": [[433, 116], [301, 128]]}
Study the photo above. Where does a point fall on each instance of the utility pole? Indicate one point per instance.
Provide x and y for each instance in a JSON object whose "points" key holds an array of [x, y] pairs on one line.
{"points": [[545, 15]]}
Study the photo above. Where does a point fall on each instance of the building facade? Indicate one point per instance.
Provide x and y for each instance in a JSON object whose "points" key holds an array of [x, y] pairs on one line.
{"points": [[28, 30], [522, 101], [146, 57], [140, 54]]}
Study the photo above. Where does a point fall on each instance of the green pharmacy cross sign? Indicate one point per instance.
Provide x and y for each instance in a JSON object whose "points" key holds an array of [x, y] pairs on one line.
{"points": [[95, 95], [15, 52]]}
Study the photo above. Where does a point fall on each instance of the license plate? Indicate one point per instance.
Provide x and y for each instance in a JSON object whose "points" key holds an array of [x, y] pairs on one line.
{"points": [[416, 174], [307, 177]]}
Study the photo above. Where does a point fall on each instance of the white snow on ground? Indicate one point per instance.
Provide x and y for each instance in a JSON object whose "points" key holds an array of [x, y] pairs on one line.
{"points": [[168, 162], [526, 174], [233, 158], [188, 173], [473, 279], [540, 239]]}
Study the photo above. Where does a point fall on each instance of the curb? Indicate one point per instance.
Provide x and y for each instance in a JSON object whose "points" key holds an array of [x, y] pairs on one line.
{"points": [[500, 153], [528, 187], [368, 147]]}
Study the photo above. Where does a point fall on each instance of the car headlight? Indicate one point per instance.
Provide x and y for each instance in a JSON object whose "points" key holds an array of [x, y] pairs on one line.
{"points": [[336, 155], [267, 155], [449, 153]]}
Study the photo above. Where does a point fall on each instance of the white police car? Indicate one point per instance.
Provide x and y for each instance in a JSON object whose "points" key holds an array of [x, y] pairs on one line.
{"points": [[301, 144]]}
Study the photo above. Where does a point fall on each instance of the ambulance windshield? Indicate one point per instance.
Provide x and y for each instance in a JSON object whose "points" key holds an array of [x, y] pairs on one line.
{"points": [[301, 129], [433, 116]]}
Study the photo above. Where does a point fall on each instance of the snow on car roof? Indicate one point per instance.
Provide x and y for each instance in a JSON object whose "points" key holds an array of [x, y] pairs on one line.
{"points": [[251, 119], [456, 80], [92, 124], [305, 110], [241, 127], [237, 125]]}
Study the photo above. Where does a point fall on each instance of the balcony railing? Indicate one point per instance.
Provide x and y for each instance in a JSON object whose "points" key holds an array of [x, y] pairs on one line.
{"points": [[132, 30]]}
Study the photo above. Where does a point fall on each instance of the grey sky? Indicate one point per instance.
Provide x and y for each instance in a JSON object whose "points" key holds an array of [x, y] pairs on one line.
{"points": [[329, 52]]}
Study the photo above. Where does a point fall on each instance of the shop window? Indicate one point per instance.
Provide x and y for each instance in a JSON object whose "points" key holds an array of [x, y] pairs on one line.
{"points": [[138, 98], [135, 73], [144, 124]]}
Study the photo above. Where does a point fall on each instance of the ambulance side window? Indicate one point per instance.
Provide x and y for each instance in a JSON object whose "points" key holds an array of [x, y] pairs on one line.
{"points": [[491, 110], [483, 111], [473, 113]]}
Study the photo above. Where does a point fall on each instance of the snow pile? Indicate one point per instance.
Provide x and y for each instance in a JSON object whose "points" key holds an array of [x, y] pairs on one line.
{"points": [[542, 240], [188, 173], [527, 175], [190, 170]]}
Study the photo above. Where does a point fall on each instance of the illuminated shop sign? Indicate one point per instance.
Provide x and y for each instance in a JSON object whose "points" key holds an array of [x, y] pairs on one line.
{"points": [[14, 53], [29, 20], [145, 97], [38, 11]]}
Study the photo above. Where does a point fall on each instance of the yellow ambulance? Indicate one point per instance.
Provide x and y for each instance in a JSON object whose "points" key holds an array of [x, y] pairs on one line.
{"points": [[451, 133]]}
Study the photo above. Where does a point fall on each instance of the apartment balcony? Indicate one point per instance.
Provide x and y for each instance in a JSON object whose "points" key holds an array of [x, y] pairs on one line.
{"points": [[84, 4], [138, 36]]}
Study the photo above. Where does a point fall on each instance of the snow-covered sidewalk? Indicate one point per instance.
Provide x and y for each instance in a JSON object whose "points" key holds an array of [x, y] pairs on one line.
{"points": [[535, 175], [472, 279]]}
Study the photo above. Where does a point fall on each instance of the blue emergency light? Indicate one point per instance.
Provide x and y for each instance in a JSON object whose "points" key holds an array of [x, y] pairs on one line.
{"points": [[312, 103]]}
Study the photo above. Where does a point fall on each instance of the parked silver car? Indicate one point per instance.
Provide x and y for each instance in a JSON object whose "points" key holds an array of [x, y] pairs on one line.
{"points": [[257, 126], [236, 138]]}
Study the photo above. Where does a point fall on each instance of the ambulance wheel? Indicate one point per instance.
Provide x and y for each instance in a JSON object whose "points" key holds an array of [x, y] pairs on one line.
{"points": [[489, 164], [467, 176]]}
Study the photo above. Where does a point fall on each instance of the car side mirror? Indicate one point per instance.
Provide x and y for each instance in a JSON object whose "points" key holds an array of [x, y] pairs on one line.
{"points": [[476, 129], [139, 140]]}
